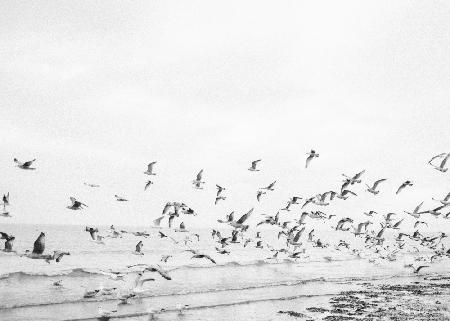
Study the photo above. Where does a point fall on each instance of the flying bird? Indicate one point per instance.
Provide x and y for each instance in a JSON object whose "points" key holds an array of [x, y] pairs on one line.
{"points": [[253, 167], [76, 205], [404, 185], [147, 185], [198, 180], [120, 198], [149, 170], [26, 165], [270, 187], [311, 155], [373, 189]]}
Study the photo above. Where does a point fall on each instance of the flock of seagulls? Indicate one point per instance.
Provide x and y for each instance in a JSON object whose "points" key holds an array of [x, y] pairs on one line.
{"points": [[289, 232]]}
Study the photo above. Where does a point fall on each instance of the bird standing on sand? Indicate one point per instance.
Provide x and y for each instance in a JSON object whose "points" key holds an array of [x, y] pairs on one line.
{"points": [[311, 155]]}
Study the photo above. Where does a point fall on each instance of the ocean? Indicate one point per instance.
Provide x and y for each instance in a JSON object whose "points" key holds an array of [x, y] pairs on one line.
{"points": [[243, 285]]}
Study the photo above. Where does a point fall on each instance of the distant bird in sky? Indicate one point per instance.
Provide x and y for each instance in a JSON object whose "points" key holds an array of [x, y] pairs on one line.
{"points": [[149, 170], [415, 213], [373, 189], [218, 198], [254, 164], [147, 185], [76, 205], [403, 186], [259, 194], [26, 165], [355, 179], [270, 186], [120, 198], [445, 201], [91, 185], [441, 166], [198, 180], [311, 155], [220, 189]]}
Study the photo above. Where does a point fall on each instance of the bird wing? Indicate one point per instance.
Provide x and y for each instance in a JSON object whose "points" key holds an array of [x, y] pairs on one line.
{"points": [[378, 182], [4, 235], [434, 157], [17, 162], [158, 221], [230, 217], [199, 175], [73, 200], [416, 210], [445, 199], [245, 217], [359, 174], [444, 161], [28, 163], [150, 166], [308, 160], [254, 163]]}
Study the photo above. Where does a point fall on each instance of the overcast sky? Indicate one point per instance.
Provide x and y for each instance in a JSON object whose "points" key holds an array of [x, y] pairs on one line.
{"points": [[97, 89]]}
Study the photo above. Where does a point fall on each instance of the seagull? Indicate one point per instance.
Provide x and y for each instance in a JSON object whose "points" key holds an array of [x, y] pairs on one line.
{"points": [[5, 199], [419, 222], [415, 213], [373, 189], [270, 187], [259, 194], [312, 154], [165, 258], [57, 256], [344, 193], [26, 165], [203, 256], [370, 213], [218, 198], [157, 222], [120, 199], [437, 156], [139, 281], [57, 283], [149, 170], [355, 178], [253, 167], [147, 185], [76, 205], [139, 248], [417, 270], [198, 181], [404, 184], [92, 231], [240, 222], [445, 201], [153, 268], [91, 185], [229, 218], [220, 189], [116, 276], [441, 167]]}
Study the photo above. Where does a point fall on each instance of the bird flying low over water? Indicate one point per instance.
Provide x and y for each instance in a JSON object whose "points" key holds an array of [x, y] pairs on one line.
{"points": [[92, 231], [311, 155], [253, 167], [76, 205], [149, 170]]}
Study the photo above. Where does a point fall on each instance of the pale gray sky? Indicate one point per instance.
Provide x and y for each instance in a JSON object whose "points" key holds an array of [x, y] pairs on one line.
{"points": [[97, 89]]}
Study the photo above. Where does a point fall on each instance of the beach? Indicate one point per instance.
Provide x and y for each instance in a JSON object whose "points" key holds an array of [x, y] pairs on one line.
{"points": [[323, 284]]}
